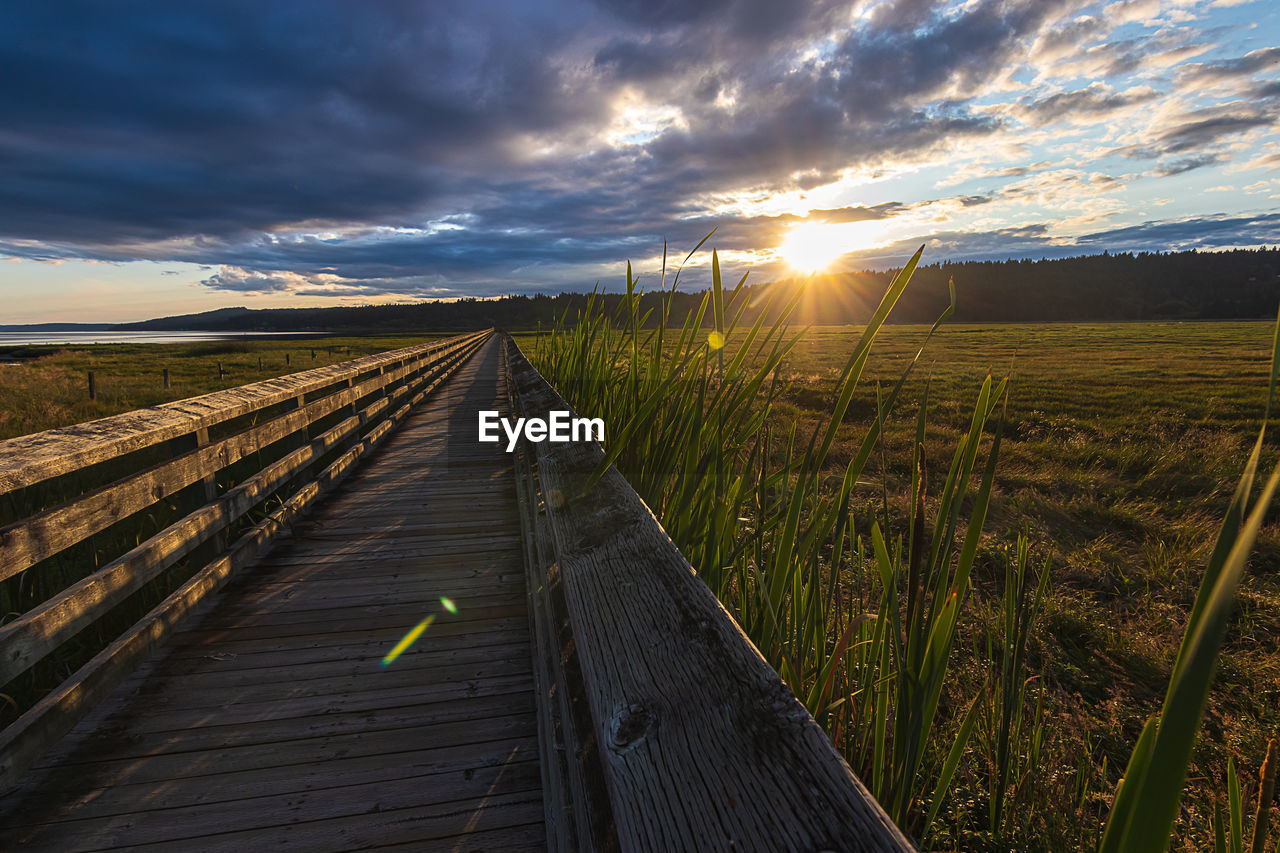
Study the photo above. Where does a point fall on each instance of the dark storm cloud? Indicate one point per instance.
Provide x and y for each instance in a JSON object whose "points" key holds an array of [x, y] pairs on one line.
{"points": [[212, 118], [917, 51]]}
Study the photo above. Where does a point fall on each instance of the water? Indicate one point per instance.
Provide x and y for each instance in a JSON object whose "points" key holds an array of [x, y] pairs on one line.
{"points": [[109, 337]]}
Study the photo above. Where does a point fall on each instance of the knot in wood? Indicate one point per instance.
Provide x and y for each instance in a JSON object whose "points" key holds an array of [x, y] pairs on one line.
{"points": [[628, 726]]}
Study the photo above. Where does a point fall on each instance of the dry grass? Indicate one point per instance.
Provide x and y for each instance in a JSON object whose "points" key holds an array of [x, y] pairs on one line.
{"points": [[1122, 445], [49, 387]]}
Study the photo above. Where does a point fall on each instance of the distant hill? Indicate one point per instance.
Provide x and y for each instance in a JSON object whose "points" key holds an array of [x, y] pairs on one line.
{"points": [[1107, 287], [221, 318], [58, 327]]}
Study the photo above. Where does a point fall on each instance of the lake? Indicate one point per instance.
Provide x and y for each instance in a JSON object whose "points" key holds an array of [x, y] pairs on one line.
{"points": [[110, 337]]}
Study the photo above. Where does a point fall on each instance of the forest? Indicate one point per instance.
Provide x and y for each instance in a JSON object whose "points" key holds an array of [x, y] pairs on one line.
{"points": [[1146, 286]]}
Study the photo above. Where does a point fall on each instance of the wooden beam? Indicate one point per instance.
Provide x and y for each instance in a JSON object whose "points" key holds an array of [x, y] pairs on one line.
{"points": [[702, 744]]}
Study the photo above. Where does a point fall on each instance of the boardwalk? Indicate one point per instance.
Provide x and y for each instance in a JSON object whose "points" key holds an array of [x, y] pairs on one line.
{"points": [[269, 721], [377, 632]]}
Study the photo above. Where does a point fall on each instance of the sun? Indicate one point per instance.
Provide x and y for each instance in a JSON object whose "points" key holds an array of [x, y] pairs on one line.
{"points": [[812, 247]]}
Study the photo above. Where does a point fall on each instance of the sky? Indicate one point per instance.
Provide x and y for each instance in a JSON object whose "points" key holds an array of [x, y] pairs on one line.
{"points": [[167, 158]]}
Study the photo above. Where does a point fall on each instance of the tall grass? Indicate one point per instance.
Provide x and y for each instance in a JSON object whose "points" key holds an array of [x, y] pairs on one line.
{"points": [[1146, 802], [774, 526], [858, 607]]}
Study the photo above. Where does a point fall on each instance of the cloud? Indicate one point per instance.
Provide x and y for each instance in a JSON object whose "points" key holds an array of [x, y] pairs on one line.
{"points": [[1187, 164], [1252, 62], [241, 280], [1036, 240], [1086, 104], [1203, 132], [333, 148]]}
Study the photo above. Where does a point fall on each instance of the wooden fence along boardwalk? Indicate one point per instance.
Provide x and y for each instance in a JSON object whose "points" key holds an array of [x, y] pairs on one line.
{"points": [[447, 647]]}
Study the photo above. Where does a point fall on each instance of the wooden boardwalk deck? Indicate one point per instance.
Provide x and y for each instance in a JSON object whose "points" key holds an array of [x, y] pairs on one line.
{"points": [[269, 721]]}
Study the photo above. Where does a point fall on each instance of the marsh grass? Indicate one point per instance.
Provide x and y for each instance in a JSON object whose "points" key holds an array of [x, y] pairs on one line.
{"points": [[48, 386], [962, 684], [772, 531]]}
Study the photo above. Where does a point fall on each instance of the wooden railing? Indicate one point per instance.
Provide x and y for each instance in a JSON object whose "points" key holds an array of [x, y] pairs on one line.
{"points": [[661, 726], [240, 464]]}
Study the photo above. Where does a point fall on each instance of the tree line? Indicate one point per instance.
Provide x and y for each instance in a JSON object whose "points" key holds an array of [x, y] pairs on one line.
{"points": [[1188, 285]]}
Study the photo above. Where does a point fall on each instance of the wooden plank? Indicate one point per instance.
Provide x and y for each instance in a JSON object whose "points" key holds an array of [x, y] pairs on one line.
{"points": [[411, 825], [426, 652], [280, 734], [439, 549], [447, 765], [163, 718], [461, 565], [427, 668], [380, 543], [441, 512], [427, 598], [164, 768], [683, 706], [317, 633], [497, 566], [182, 694], [527, 837], [466, 595], [380, 527], [474, 607], [272, 781]]}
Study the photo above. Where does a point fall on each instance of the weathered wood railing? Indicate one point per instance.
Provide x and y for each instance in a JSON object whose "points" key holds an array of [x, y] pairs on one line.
{"points": [[662, 727], [212, 460]]}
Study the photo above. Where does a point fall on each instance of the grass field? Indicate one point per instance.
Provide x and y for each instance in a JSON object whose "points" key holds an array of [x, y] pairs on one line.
{"points": [[1122, 443], [48, 386]]}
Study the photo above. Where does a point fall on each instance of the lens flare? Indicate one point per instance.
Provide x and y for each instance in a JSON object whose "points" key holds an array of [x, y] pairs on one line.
{"points": [[408, 640], [715, 340], [448, 604]]}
